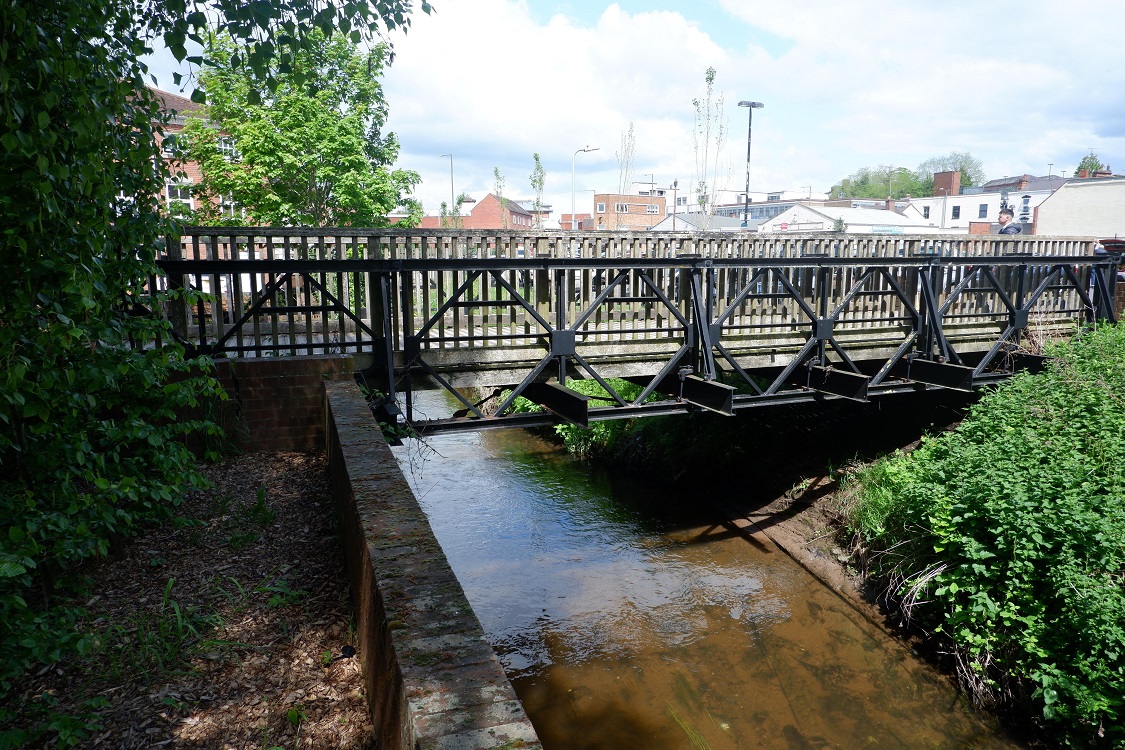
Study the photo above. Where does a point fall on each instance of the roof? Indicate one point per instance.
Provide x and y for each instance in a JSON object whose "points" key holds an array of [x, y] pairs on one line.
{"points": [[1029, 182], [176, 104], [861, 216], [700, 220], [513, 206], [529, 205]]}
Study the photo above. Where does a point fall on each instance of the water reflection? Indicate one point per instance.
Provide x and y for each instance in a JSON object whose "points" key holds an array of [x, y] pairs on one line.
{"points": [[627, 618]]}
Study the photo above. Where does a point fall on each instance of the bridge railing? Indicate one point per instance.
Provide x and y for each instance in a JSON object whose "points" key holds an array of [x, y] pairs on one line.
{"points": [[331, 298], [694, 316]]}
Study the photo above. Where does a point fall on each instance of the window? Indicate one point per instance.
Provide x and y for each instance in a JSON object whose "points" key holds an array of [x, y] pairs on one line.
{"points": [[168, 145], [178, 192], [621, 208], [925, 212], [600, 208], [773, 197], [681, 200], [956, 212], [226, 148], [653, 209], [229, 208], [982, 212]]}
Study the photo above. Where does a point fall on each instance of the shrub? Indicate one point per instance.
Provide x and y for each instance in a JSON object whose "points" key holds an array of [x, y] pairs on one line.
{"points": [[1007, 536]]}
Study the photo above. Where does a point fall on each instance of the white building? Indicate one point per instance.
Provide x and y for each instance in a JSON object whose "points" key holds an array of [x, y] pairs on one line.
{"points": [[953, 210], [1092, 207], [806, 218]]}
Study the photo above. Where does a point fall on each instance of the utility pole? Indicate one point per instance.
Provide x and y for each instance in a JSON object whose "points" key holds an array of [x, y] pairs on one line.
{"points": [[586, 150], [452, 200], [750, 107]]}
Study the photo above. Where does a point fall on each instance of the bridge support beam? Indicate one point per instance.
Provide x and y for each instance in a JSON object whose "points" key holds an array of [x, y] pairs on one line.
{"points": [[956, 377], [849, 385], [572, 406], [707, 394]]}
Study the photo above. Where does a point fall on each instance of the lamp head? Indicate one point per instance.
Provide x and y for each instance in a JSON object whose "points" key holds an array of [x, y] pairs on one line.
{"points": [[751, 105]]}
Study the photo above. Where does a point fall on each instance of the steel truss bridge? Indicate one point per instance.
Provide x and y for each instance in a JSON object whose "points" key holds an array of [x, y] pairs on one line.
{"points": [[700, 321]]}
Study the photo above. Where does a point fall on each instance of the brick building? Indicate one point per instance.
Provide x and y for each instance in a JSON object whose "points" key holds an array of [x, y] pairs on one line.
{"points": [[185, 173], [488, 213], [576, 221], [613, 211]]}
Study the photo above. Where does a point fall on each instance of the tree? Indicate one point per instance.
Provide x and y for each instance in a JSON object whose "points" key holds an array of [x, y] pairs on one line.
{"points": [[499, 192], [898, 182], [538, 180], [90, 436], [879, 183], [708, 139], [1091, 163], [625, 158], [452, 219], [970, 167], [310, 153]]}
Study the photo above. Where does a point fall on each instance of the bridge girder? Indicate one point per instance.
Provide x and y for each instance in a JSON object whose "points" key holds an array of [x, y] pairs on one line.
{"points": [[731, 327]]}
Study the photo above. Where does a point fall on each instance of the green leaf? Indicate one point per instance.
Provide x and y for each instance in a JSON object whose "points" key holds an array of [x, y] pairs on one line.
{"points": [[10, 569]]}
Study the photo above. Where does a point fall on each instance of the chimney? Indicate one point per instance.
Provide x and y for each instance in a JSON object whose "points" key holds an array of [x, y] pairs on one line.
{"points": [[1023, 182], [1083, 174], [948, 183], [890, 203]]}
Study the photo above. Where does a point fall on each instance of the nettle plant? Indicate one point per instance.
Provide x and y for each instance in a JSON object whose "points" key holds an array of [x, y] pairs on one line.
{"points": [[1007, 536]]}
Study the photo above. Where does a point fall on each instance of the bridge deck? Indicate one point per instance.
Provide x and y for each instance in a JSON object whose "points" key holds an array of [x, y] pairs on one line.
{"points": [[810, 314]]}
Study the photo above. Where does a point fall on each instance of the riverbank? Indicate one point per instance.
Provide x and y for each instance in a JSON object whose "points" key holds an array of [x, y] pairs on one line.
{"points": [[230, 627]]}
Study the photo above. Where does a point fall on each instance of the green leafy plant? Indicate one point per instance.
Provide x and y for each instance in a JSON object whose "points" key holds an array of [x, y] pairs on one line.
{"points": [[93, 386], [282, 594], [310, 144], [1007, 537], [260, 512]]}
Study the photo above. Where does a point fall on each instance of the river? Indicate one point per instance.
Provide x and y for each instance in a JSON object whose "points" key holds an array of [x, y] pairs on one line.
{"points": [[626, 617]]}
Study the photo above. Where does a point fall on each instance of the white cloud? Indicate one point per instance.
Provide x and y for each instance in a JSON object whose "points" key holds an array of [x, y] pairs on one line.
{"points": [[845, 85]]}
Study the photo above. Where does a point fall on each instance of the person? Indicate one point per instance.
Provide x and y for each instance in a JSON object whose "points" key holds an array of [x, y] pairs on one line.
{"points": [[1007, 223]]}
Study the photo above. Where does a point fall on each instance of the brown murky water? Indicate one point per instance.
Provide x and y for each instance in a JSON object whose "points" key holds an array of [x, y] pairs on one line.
{"points": [[627, 619]]}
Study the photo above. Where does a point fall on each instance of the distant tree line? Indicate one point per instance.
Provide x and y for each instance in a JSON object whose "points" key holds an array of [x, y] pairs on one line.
{"points": [[898, 182]]}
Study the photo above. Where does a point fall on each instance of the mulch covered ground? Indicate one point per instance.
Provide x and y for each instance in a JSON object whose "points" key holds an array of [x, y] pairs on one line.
{"points": [[230, 628]]}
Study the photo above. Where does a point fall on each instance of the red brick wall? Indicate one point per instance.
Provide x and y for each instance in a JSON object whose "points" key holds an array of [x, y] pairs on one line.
{"points": [[486, 214], [277, 403], [947, 183]]}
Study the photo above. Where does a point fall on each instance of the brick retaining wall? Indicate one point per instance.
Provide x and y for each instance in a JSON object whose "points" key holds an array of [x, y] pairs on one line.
{"points": [[277, 403], [433, 681]]}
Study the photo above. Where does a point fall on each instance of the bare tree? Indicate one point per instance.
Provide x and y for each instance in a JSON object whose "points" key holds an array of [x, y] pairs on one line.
{"points": [[709, 140], [625, 156], [500, 197], [538, 179]]}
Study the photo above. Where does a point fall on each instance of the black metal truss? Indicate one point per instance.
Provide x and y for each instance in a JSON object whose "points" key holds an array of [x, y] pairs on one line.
{"points": [[924, 358], [822, 368]]}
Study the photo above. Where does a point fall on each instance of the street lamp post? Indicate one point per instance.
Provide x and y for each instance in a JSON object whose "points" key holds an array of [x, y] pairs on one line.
{"points": [[576, 153], [751, 106], [452, 200]]}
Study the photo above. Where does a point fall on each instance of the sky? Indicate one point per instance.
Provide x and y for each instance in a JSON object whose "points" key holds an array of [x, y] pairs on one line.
{"points": [[1024, 87]]}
